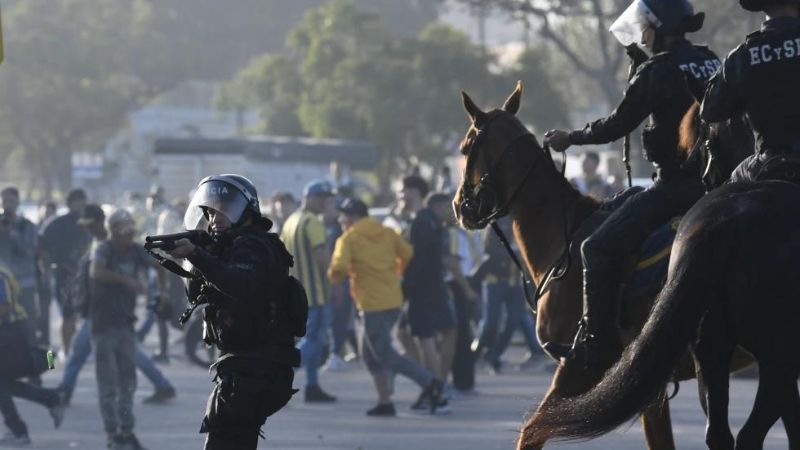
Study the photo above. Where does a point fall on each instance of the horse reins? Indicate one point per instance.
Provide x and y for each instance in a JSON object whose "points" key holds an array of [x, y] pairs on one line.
{"points": [[472, 193]]}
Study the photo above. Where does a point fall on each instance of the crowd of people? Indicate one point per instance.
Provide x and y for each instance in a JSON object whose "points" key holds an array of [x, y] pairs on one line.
{"points": [[450, 295], [408, 292]]}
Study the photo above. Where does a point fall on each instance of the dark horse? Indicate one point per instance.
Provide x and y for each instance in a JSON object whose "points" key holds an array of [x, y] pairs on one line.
{"points": [[508, 171], [732, 281]]}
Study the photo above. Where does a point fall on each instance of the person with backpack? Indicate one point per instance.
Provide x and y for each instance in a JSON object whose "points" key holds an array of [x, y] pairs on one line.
{"points": [[254, 309]]}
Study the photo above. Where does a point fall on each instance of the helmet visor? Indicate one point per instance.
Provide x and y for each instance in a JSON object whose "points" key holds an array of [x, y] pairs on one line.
{"points": [[219, 196], [630, 26]]}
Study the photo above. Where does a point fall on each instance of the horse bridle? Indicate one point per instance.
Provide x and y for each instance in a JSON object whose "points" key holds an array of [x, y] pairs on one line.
{"points": [[479, 206], [480, 202]]}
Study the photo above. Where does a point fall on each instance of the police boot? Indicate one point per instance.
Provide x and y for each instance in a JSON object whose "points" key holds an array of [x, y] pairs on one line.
{"points": [[598, 342]]}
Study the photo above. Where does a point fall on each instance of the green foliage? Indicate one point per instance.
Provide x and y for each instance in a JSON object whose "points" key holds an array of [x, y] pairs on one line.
{"points": [[75, 68], [351, 78]]}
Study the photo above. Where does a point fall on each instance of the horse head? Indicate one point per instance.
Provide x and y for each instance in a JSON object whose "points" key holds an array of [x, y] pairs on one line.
{"points": [[718, 148], [496, 164]]}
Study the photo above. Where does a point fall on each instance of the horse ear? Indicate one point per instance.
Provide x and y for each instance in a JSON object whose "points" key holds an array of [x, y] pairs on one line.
{"points": [[475, 113], [513, 101]]}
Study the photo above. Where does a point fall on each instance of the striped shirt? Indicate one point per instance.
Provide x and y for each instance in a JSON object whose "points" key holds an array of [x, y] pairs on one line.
{"points": [[302, 233]]}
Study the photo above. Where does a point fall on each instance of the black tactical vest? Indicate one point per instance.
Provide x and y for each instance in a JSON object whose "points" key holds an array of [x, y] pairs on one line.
{"points": [[678, 77]]}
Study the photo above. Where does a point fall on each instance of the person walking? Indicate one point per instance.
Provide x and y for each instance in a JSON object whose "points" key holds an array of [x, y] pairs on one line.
{"points": [[304, 236], [372, 257]]}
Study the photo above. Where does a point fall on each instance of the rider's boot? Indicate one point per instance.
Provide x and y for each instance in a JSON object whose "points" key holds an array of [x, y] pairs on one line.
{"points": [[598, 342]]}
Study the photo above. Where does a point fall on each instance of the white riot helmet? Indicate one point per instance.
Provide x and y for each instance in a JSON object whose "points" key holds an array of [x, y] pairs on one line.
{"points": [[227, 194]]}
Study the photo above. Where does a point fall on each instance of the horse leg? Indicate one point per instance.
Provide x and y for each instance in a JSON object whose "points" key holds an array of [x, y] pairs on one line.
{"points": [[702, 390], [773, 385], [791, 418], [657, 425], [712, 354]]}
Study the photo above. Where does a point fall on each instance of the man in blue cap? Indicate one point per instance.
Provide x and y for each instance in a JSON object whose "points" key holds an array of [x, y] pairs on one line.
{"points": [[304, 236]]}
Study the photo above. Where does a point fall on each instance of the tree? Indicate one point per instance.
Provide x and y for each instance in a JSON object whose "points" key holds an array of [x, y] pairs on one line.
{"points": [[578, 31], [75, 68], [349, 77], [62, 80]]}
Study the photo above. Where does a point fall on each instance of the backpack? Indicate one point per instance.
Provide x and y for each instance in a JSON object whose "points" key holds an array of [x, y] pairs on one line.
{"points": [[297, 307]]}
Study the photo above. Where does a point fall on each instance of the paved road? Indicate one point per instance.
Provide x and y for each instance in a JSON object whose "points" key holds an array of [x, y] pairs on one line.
{"points": [[482, 422]]}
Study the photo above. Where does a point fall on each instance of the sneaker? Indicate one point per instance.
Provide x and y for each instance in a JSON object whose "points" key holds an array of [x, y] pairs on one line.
{"points": [[160, 396], [315, 394], [57, 410], [430, 397], [442, 407], [382, 410], [12, 440], [437, 397], [423, 401], [335, 363]]}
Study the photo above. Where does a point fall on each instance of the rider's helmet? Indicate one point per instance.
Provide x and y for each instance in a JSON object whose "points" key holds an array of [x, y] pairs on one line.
{"points": [[667, 17], [228, 194]]}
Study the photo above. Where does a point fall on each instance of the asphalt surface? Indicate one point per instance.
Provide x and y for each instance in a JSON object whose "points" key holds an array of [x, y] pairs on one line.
{"points": [[484, 421]]}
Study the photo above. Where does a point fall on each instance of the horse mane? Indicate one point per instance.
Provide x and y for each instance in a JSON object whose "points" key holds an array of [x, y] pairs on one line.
{"points": [[687, 133]]}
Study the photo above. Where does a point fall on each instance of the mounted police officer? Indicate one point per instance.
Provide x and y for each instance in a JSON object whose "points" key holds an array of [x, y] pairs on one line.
{"points": [[244, 279], [663, 87], [761, 78]]}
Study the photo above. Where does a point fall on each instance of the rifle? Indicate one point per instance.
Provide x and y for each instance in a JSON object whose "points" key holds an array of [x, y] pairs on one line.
{"points": [[167, 242]]}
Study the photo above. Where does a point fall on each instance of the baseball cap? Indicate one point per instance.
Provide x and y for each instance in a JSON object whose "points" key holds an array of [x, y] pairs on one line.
{"points": [[320, 188], [354, 207], [91, 214]]}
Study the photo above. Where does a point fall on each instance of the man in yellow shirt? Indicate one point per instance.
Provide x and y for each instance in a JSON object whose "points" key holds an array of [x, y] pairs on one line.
{"points": [[373, 256]]}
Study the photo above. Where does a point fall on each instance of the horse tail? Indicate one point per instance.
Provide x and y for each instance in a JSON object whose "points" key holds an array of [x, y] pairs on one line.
{"points": [[641, 374]]}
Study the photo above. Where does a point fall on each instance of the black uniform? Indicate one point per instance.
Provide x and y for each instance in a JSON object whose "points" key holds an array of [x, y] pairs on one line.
{"points": [[664, 87], [246, 281], [761, 78]]}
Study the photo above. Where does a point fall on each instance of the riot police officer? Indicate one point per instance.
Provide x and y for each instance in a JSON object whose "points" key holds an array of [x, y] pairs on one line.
{"points": [[244, 278], [663, 87], [760, 78]]}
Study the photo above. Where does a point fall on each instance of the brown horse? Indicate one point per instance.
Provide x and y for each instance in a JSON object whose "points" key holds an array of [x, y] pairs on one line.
{"points": [[508, 172]]}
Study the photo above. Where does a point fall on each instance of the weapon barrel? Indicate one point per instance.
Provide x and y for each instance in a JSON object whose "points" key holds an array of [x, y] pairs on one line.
{"points": [[191, 235]]}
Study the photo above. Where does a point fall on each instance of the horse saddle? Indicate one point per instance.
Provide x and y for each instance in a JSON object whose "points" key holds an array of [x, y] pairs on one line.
{"points": [[782, 167]]}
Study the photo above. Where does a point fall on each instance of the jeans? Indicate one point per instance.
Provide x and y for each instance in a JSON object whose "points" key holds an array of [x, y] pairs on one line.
{"points": [[378, 352], [115, 370], [511, 296], [82, 347], [313, 344]]}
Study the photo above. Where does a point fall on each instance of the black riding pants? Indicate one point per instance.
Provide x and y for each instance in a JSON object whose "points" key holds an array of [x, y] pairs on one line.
{"points": [[626, 229]]}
